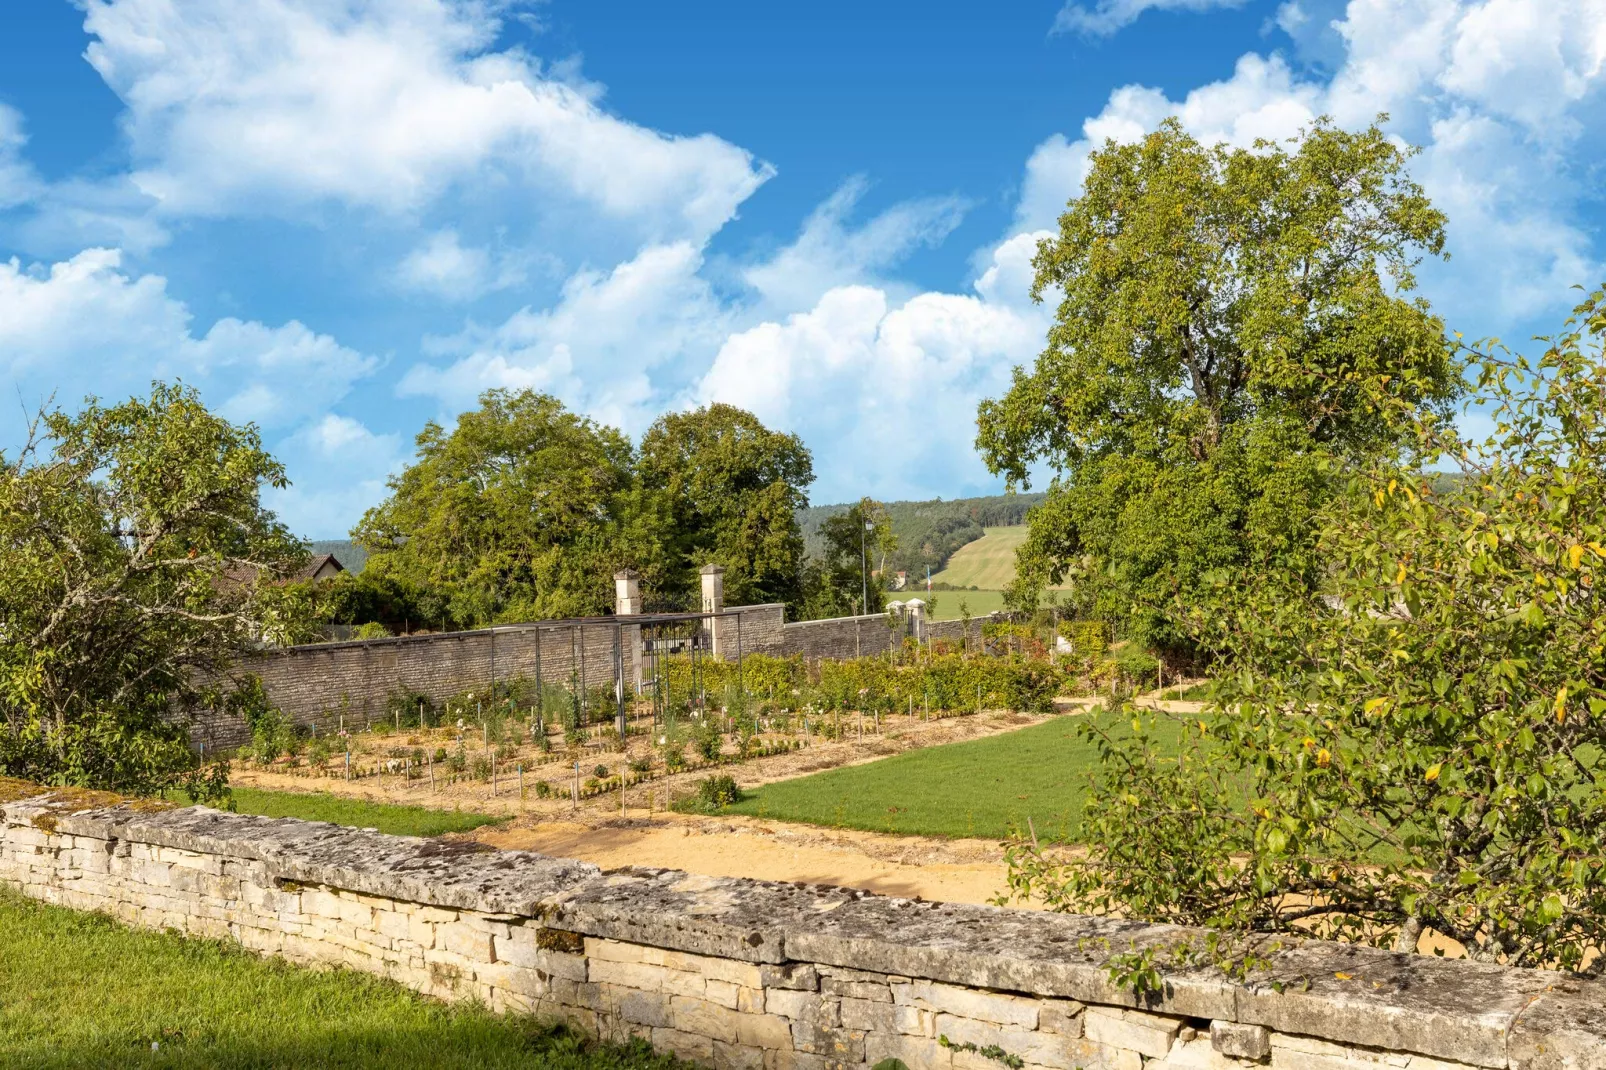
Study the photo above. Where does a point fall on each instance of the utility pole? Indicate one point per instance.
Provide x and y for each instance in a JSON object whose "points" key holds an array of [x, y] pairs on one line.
{"points": [[864, 566]]}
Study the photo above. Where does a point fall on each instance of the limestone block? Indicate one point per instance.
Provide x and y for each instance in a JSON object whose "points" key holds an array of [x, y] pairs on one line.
{"points": [[358, 915], [1240, 1041], [692, 1015], [523, 952], [642, 1008], [865, 990], [914, 1021], [685, 1045], [1047, 1049], [319, 902], [789, 1059], [914, 1051], [971, 1003], [808, 1007], [737, 1057], [801, 976], [764, 1031], [1062, 1016], [721, 992], [394, 925], [473, 944], [869, 1014], [527, 984], [1144, 1033], [834, 1043], [420, 932], [646, 976]]}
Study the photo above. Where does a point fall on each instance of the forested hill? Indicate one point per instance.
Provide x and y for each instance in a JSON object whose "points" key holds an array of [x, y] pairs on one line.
{"points": [[929, 532]]}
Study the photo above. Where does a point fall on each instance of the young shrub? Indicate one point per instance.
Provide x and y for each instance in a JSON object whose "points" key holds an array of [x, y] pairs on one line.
{"points": [[713, 794], [708, 740]]}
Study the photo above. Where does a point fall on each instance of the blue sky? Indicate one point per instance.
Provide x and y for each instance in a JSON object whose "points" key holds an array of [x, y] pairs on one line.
{"points": [[341, 218]]}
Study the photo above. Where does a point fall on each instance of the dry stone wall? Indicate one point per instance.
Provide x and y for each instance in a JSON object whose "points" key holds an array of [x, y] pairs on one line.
{"points": [[752, 974]]}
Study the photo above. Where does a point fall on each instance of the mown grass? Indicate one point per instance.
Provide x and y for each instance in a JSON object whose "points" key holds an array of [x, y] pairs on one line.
{"points": [[984, 787], [359, 813], [80, 990]]}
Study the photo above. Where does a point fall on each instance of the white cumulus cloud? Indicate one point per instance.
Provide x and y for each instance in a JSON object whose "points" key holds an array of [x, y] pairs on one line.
{"points": [[84, 327], [263, 105], [883, 391], [1105, 17], [1500, 95]]}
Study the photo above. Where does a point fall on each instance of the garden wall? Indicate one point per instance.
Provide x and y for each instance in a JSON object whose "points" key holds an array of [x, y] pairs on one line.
{"points": [[752, 974], [330, 684], [333, 684]]}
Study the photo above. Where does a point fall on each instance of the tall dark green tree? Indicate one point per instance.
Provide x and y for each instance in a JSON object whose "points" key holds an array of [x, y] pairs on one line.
{"points": [[733, 490], [522, 512], [845, 579], [137, 566], [1232, 326]]}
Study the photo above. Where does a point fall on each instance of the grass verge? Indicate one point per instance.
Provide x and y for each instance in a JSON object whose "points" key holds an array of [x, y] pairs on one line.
{"points": [[982, 788], [358, 813], [80, 990]]}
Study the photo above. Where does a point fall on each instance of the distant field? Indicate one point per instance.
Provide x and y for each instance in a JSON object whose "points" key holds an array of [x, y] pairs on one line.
{"points": [[982, 788], [979, 603], [987, 563]]}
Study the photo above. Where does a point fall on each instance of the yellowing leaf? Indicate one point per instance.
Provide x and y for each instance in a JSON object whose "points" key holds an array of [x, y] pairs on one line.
{"points": [[1561, 705], [1400, 578], [1341, 975], [1374, 704], [1433, 772], [1575, 554]]}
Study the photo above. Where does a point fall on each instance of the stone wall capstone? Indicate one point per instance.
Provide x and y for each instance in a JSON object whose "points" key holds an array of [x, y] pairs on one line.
{"points": [[742, 973]]}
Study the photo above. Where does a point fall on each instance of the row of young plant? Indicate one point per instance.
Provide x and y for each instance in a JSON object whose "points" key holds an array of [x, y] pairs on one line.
{"points": [[945, 682]]}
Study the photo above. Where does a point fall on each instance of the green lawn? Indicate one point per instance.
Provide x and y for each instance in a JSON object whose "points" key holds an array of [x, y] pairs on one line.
{"points": [[80, 990], [319, 806], [981, 788]]}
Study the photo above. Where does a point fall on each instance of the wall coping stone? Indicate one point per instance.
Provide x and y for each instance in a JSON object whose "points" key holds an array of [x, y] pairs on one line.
{"points": [[1475, 1013]]}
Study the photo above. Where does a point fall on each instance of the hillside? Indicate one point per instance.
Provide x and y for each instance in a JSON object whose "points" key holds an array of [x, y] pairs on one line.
{"points": [[930, 532], [348, 553]]}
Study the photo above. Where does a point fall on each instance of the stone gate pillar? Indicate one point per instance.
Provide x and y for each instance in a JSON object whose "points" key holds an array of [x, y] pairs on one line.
{"points": [[627, 603], [713, 602]]}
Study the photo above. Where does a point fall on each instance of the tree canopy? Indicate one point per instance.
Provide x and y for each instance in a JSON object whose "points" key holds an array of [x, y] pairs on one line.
{"points": [[522, 512], [733, 490], [857, 543], [1417, 745], [136, 565], [525, 510], [1233, 326]]}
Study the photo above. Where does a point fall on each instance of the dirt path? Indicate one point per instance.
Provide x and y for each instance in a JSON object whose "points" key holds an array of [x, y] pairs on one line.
{"points": [[643, 834], [957, 871]]}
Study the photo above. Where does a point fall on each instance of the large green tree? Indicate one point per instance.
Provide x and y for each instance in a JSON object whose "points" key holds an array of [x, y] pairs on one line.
{"points": [[137, 565], [1234, 326], [521, 512], [1419, 744], [733, 491], [857, 540]]}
